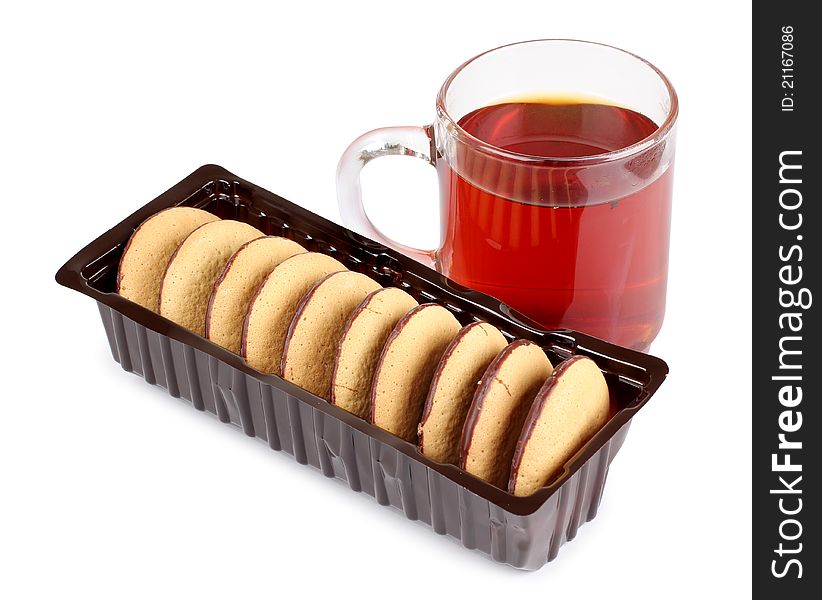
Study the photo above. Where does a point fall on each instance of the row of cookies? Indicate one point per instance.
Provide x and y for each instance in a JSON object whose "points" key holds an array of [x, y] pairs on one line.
{"points": [[466, 396]]}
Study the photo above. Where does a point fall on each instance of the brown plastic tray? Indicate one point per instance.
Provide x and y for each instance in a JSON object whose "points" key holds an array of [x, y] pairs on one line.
{"points": [[523, 532]]}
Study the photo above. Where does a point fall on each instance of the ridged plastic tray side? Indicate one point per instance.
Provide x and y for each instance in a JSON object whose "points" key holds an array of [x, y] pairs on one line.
{"points": [[286, 423]]}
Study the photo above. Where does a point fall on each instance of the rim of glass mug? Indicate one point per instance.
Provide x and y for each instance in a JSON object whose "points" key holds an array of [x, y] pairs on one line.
{"points": [[662, 131]]}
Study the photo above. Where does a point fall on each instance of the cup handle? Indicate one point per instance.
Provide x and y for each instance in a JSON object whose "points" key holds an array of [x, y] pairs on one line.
{"points": [[387, 141]]}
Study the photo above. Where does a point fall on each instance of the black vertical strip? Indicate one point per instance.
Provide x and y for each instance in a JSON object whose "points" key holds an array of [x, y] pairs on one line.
{"points": [[787, 226]]}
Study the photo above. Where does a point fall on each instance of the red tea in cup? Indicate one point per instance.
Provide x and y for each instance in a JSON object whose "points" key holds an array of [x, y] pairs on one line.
{"points": [[552, 252], [555, 163]]}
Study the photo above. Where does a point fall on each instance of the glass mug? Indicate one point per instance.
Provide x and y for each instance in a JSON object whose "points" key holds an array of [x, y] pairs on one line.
{"points": [[555, 163]]}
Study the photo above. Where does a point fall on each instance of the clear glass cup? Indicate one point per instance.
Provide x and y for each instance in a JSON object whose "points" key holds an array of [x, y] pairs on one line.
{"points": [[575, 239]]}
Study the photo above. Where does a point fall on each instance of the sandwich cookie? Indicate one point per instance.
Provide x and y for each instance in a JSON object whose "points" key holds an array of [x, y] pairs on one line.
{"points": [[273, 306], [569, 409], [406, 366], [237, 284], [499, 408], [360, 345], [318, 324], [452, 389], [149, 249], [194, 268]]}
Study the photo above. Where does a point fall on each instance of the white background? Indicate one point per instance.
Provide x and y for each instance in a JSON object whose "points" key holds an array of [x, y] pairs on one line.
{"points": [[109, 489]]}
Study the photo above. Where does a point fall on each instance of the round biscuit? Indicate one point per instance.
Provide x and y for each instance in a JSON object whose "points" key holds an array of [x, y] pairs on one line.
{"points": [[194, 268], [316, 329], [499, 408], [568, 410], [141, 268], [406, 366], [273, 306], [452, 389], [242, 275], [360, 345]]}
